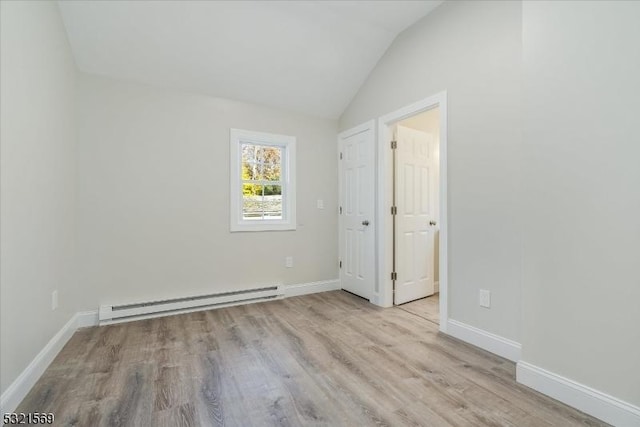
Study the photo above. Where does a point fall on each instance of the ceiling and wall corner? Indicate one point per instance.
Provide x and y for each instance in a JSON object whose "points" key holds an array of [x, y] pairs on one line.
{"points": [[309, 57]]}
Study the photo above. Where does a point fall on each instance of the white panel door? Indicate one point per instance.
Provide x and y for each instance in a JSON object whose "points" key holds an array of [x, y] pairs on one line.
{"points": [[357, 232], [415, 220]]}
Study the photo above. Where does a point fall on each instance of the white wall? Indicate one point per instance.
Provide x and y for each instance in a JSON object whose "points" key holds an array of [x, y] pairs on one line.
{"points": [[473, 50], [38, 172], [153, 199], [581, 291]]}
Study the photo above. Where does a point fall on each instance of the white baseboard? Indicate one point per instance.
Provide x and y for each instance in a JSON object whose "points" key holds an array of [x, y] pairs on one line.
{"points": [[590, 401], [485, 340], [311, 288], [85, 319], [17, 391], [436, 286]]}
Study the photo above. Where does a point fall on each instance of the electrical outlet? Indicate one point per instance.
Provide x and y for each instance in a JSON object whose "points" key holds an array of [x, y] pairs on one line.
{"points": [[288, 262], [320, 204], [485, 298], [54, 300]]}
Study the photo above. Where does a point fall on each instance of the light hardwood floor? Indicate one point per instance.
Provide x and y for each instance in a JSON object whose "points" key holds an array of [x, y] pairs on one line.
{"points": [[323, 359], [428, 308]]}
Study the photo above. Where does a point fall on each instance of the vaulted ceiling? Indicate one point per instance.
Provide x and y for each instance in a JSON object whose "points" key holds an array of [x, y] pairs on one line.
{"points": [[305, 56]]}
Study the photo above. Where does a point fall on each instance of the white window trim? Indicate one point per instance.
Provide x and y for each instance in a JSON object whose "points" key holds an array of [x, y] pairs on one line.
{"points": [[288, 178]]}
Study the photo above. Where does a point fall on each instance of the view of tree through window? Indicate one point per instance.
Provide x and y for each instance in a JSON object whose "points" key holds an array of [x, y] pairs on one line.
{"points": [[261, 181]]}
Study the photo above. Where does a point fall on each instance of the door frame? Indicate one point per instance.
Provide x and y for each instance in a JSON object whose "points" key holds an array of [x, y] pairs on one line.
{"points": [[384, 200], [367, 126]]}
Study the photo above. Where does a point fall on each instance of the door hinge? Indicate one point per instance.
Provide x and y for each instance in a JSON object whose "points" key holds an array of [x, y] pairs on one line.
{"points": [[394, 276], [394, 145], [340, 156], [340, 264], [394, 210], [340, 210]]}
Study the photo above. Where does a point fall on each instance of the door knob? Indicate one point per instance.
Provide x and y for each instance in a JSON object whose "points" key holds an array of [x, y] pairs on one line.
{"points": [[432, 223], [365, 222]]}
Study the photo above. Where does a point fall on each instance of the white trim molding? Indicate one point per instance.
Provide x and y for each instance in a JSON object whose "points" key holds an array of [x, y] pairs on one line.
{"points": [[485, 340], [85, 319], [17, 391], [590, 401], [384, 184], [311, 288]]}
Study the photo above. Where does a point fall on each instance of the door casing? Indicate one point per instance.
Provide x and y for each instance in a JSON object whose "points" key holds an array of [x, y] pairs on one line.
{"points": [[384, 295]]}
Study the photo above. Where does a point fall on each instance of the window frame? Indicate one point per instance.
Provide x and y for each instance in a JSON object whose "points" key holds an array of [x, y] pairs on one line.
{"points": [[287, 177]]}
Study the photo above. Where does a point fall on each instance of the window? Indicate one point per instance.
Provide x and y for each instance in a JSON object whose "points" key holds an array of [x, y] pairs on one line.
{"points": [[263, 192]]}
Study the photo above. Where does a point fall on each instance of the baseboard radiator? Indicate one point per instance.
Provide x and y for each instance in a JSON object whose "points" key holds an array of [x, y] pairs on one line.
{"points": [[143, 310]]}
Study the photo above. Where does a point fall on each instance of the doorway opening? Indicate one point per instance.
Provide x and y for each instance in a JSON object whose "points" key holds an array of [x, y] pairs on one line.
{"points": [[416, 216], [412, 199]]}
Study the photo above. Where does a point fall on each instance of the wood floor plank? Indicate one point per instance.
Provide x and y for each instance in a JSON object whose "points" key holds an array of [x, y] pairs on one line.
{"points": [[428, 308], [329, 359]]}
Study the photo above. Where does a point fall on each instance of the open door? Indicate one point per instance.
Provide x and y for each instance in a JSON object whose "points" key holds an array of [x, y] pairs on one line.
{"points": [[415, 177]]}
